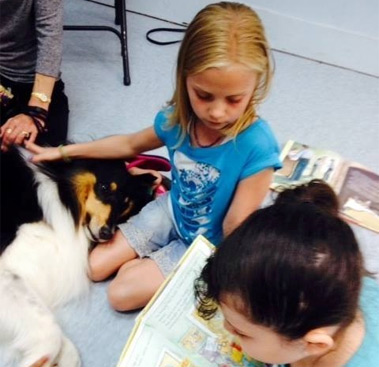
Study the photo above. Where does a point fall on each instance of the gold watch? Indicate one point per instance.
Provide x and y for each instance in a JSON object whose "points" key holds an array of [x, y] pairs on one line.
{"points": [[42, 97]]}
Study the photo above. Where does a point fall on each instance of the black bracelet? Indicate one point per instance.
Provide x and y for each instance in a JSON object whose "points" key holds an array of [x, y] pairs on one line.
{"points": [[37, 114], [41, 129], [28, 110]]}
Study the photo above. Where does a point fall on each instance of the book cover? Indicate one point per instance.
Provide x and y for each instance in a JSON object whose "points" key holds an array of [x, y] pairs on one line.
{"points": [[356, 186]]}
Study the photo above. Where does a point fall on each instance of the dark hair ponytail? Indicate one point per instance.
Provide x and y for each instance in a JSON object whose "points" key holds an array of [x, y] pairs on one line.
{"points": [[294, 265], [315, 192]]}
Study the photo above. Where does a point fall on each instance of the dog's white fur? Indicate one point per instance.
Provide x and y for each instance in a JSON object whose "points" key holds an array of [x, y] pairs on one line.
{"points": [[45, 266]]}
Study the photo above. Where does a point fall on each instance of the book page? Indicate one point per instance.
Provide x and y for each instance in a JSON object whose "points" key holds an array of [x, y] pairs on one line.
{"points": [[358, 193], [302, 164], [170, 333], [148, 348]]}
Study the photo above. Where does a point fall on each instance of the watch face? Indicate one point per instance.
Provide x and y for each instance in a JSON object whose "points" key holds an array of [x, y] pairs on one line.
{"points": [[41, 96]]}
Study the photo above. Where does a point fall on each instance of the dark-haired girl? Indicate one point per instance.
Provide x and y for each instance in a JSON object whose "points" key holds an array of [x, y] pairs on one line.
{"points": [[291, 285]]}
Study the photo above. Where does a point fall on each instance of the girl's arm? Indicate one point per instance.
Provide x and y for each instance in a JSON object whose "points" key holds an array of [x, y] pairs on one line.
{"points": [[248, 197], [112, 147]]}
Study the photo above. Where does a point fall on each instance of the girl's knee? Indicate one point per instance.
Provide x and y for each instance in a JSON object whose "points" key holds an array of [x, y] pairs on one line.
{"points": [[134, 287], [105, 259], [122, 297]]}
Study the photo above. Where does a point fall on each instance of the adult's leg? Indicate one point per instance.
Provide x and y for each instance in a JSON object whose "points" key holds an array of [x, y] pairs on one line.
{"points": [[106, 259], [57, 120], [21, 93]]}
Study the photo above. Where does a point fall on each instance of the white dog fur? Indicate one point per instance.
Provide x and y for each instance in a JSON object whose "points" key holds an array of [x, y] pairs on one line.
{"points": [[45, 266]]}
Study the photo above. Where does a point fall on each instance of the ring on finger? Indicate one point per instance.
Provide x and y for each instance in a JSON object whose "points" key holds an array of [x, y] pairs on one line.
{"points": [[26, 134]]}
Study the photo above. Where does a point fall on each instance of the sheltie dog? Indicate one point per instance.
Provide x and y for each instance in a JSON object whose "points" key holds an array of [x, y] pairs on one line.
{"points": [[51, 213]]}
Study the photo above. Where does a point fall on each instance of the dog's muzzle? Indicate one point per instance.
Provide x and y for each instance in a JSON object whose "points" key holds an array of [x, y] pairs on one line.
{"points": [[104, 234]]}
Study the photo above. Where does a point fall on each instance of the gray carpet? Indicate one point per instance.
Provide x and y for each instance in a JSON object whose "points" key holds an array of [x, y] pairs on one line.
{"points": [[321, 105]]}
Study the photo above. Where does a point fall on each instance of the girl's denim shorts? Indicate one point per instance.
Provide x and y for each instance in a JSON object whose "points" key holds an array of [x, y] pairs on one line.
{"points": [[152, 233]]}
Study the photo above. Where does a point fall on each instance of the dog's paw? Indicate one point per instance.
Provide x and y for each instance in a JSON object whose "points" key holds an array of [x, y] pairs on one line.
{"points": [[68, 355]]}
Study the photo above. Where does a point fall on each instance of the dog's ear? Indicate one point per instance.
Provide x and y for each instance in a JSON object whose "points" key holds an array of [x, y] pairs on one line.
{"points": [[140, 193], [146, 179]]}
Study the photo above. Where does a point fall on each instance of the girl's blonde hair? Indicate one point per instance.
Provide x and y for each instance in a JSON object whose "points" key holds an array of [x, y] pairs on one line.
{"points": [[220, 35]]}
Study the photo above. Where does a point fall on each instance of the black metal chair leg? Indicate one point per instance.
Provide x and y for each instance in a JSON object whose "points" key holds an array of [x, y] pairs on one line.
{"points": [[121, 14], [120, 19], [117, 6]]}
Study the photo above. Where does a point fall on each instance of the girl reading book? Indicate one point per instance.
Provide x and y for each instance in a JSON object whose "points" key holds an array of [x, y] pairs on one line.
{"points": [[291, 285]]}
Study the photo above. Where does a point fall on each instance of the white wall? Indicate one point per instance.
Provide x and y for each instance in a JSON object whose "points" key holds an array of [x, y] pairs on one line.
{"points": [[340, 32]]}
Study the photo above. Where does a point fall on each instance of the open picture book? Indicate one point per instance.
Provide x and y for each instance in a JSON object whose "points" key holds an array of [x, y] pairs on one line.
{"points": [[170, 333], [356, 186]]}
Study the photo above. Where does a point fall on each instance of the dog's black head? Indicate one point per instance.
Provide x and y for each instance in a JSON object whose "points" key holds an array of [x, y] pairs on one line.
{"points": [[102, 194], [98, 193]]}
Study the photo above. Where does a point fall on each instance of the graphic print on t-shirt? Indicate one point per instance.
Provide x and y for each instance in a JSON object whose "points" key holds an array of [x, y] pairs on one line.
{"points": [[197, 187]]}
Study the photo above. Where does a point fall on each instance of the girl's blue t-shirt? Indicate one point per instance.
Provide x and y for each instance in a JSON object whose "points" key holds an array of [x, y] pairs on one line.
{"points": [[204, 180]]}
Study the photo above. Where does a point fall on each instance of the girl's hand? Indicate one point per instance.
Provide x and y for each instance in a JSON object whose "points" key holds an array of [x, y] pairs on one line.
{"points": [[18, 130], [141, 171], [41, 154]]}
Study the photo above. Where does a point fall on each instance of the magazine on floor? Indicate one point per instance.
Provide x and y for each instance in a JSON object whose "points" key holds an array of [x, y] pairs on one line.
{"points": [[357, 187], [170, 333]]}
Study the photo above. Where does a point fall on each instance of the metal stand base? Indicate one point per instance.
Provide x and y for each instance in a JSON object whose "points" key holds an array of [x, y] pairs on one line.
{"points": [[120, 19]]}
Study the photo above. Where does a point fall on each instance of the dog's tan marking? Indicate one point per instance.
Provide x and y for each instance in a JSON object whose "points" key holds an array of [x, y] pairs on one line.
{"points": [[84, 183], [89, 203], [113, 186], [98, 211]]}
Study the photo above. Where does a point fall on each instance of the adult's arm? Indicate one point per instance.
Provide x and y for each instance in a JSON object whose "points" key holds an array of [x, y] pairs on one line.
{"points": [[48, 16]]}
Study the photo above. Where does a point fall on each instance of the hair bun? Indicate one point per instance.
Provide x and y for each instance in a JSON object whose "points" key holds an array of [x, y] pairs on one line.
{"points": [[316, 192]]}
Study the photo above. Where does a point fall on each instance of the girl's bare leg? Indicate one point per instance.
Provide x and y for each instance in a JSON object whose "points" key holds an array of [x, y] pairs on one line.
{"points": [[134, 284], [107, 258]]}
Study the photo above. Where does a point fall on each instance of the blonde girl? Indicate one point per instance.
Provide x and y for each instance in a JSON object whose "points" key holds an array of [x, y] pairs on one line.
{"points": [[222, 153]]}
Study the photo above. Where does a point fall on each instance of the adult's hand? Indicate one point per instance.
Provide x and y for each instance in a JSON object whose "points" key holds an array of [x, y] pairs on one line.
{"points": [[41, 154], [18, 130]]}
